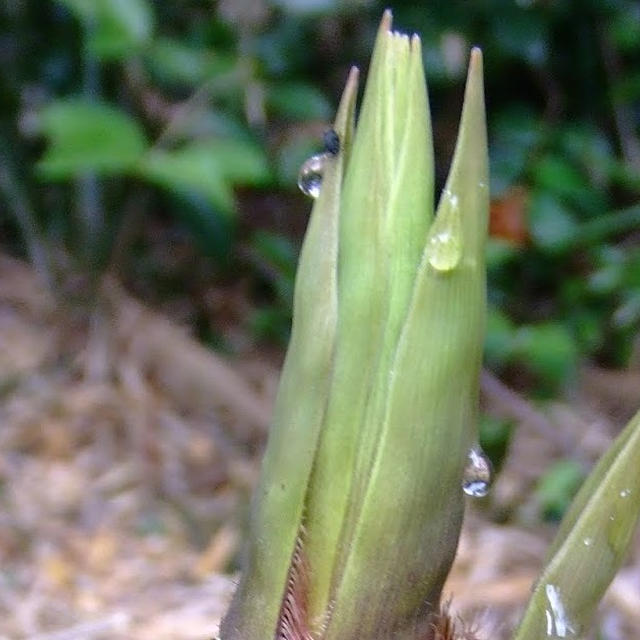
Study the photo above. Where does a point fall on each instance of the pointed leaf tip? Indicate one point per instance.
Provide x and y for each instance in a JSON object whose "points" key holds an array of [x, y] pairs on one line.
{"points": [[352, 80], [387, 20], [476, 55]]}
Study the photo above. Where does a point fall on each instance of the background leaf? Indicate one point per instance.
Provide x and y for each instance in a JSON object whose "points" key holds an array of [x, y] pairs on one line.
{"points": [[211, 168], [85, 136], [117, 27], [592, 543]]}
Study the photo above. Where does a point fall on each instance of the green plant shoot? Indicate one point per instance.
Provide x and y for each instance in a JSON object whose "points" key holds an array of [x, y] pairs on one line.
{"points": [[356, 519]]}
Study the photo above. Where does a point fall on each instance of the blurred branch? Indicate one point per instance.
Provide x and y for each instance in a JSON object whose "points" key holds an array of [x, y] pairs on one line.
{"points": [[115, 623], [88, 187], [509, 404], [170, 115], [194, 376], [128, 231], [16, 201]]}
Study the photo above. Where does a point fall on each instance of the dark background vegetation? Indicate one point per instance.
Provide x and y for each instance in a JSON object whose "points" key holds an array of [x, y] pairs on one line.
{"points": [[157, 143], [161, 141]]}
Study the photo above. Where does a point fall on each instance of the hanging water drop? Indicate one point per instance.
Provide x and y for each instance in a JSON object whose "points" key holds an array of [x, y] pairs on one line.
{"points": [[310, 175], [444, 244], [312, 170], [477, 474]]}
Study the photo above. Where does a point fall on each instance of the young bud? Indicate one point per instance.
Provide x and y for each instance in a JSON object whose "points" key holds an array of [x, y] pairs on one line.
{"points": [[357, 516]]}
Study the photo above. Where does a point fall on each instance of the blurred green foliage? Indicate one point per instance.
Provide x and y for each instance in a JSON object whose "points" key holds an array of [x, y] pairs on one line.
{"points": [[122, 117], [557, 487], [495, 435]]}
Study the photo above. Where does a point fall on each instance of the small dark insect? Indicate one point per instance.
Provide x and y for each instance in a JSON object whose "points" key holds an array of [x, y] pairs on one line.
{"points": [[331, 142]]}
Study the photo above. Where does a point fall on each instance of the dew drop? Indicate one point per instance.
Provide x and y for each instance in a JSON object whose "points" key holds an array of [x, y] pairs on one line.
{"points": [[558, 624], [587, 542], [310, 175], [444, 251], [444, 244], [477, 474], [625, 493]]}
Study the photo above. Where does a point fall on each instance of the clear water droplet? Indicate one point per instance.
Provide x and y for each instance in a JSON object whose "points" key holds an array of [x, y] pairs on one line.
{"points": [[587, 542], [444, 244], [310, 175], [558, 624], [444, 251], [625, 493], [477, 474]]}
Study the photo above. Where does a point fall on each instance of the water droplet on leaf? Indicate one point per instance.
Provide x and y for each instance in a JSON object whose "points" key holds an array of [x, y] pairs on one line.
{"points": [[310, 175], [625, 493], [477, 474], [444, 244], [558, 624], [444, 251], [587, 542]]}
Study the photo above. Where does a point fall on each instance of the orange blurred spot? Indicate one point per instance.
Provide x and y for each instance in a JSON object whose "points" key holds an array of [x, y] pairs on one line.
{"points": [[508, 216]]}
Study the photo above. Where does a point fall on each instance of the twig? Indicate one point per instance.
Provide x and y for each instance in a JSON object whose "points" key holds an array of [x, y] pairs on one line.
{"points": [[116, 622], [87, 185], [510, 404], [16, 201]]}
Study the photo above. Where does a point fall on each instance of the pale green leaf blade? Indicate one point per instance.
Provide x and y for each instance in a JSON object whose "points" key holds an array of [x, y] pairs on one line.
{"points": [[277, 513], [409, 522], [591, 544], [386, 210]]}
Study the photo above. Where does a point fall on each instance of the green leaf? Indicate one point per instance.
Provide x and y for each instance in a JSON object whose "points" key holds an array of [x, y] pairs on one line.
{"points": [[590, 546], [298, 101], [516, 133], [500, 253], [499, 341], [624, 28], [86, 136], [552, 225], [116, 28], [173, 61], [277, 250], [549, 350], [521, 34], [558, 486], [562, 180], [495, 435], [609, 274], [211, 168]]}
